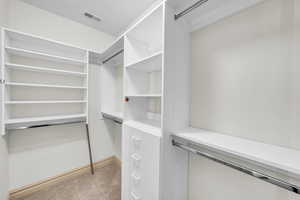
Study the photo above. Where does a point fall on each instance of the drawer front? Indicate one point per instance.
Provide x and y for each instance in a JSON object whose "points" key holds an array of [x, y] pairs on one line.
{"points": [[141, 156]]}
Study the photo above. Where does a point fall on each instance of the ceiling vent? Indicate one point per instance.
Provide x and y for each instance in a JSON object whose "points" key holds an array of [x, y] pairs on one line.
{"points": [[89, 15]]}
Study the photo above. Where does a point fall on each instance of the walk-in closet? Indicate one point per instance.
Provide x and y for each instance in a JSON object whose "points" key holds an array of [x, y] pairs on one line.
{"points": [[149, 100]]}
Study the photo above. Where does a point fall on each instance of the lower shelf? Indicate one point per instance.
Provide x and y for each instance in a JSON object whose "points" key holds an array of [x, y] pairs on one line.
{"points": [[269, 157], [20, 123], [148, 126]]}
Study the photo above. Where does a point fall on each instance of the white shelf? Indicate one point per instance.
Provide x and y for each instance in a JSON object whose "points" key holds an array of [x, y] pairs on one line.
{"points": [[275, 157], [144, 95], [148, 64], [42, 85], [43, 69], [30, 121], [34, 54], [29, 38], [146, 126], [44, 102]]}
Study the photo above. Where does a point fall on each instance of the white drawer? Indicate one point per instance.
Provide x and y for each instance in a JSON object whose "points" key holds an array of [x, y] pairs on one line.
{"points": [[141, 157]]}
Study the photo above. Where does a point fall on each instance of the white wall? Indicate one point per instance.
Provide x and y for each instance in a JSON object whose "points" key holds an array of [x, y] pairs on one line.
{"points": [[4, 179], [245, 77], [45, 152]]}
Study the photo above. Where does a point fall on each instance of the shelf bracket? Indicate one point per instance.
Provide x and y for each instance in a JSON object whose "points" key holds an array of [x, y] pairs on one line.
{"points": [[2, 81]]}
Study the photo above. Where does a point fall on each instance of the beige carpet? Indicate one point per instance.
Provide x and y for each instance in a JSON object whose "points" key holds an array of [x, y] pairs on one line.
{"points": [[105, 184]]}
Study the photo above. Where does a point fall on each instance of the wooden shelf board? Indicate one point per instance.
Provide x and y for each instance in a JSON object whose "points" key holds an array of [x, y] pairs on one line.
{"points": [[45, 102], [42, 85], [148, 64], [21, 36], [34, 54], [146, 125], [43, 69], [274, 157], [144, 95], [29, 121]]}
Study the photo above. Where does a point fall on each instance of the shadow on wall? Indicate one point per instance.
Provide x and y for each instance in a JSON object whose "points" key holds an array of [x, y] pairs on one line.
{"points": [[30, 139]]}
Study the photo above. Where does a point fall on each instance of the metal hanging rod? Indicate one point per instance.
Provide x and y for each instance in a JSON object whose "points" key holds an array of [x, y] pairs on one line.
{"points": [[63, 123], [111, 57], [189, 9], [113, 118], [46, 125], [280, 183]]}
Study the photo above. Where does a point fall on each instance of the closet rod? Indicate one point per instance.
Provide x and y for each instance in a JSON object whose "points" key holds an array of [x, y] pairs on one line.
{"points": [[189, 9], [111, 57], [114, 119], [46, 125], [63, 123], [280, 183]]}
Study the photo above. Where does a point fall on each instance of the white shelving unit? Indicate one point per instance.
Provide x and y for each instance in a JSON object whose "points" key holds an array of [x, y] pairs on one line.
{"points": [[143, 59], [32, 65], [143, 92]]}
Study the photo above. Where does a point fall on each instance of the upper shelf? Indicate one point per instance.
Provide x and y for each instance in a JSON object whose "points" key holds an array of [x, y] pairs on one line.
{"points": [[46, 102], [276, 158], [148, 64], [44, 70], [43, 85], [22, 40], [38, 55]]}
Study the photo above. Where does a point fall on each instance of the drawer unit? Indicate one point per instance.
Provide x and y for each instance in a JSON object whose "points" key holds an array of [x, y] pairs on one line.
{"points": [[141, 156]]}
